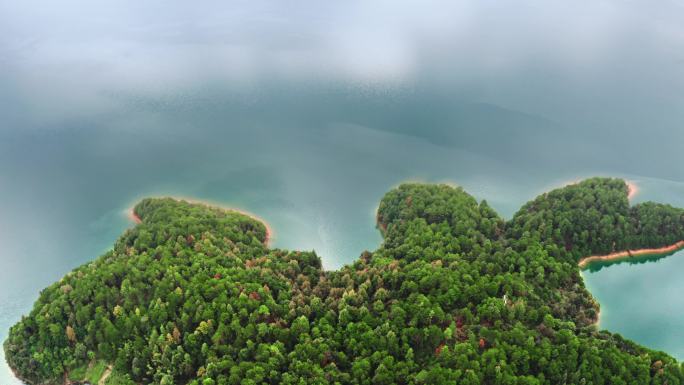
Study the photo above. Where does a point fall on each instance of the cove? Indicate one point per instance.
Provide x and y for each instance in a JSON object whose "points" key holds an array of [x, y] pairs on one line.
{"points": [[641, 299]]}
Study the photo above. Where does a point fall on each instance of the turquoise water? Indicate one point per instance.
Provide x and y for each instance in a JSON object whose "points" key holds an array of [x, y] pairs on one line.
{"points": [[642, 300], [306, 114]]}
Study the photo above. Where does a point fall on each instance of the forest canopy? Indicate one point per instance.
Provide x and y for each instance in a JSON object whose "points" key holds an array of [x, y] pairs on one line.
{"points": [[455, 294]]}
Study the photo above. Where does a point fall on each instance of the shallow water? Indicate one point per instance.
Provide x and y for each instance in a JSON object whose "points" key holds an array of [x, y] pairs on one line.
{"points": [[641, 299], [306, 115]]}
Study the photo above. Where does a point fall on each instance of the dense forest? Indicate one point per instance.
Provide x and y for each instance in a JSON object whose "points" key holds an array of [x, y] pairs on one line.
{"points": [[455, 294]]}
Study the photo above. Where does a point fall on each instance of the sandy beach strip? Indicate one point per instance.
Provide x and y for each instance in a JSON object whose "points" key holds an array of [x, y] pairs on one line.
{"points": [[584, 262], [632, 189]]}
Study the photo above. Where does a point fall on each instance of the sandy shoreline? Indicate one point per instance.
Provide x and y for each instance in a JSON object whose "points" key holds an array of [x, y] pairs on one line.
{"points": [[269, 230], [626, 254], [632, 189], [130, 213]]}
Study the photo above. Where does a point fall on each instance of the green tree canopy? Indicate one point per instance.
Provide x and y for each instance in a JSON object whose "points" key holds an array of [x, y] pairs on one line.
{"points": [[455, 294]]}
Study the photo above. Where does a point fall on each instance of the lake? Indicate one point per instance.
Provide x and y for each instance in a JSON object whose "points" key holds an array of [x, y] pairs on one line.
{"points": [[306, 115]]}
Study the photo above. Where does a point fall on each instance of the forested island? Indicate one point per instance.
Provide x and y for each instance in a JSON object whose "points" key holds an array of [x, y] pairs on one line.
{"points": [[455, 294]]}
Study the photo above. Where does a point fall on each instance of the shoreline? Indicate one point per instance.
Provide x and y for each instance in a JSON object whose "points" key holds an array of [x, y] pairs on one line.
{"points": [[586, 262], [632, 189], [132, 216], [269, 230], [597, 322], [627, 254]]}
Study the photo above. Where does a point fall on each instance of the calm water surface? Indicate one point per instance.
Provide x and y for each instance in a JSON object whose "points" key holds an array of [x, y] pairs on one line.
{"points": [[306, 114], [642, 300]]}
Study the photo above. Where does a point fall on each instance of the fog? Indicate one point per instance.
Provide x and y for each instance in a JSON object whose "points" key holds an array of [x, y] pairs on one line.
{"points": [[596, 58]]}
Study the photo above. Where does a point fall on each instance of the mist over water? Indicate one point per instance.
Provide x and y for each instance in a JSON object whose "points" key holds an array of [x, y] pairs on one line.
{"points": [[307, 112]]}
